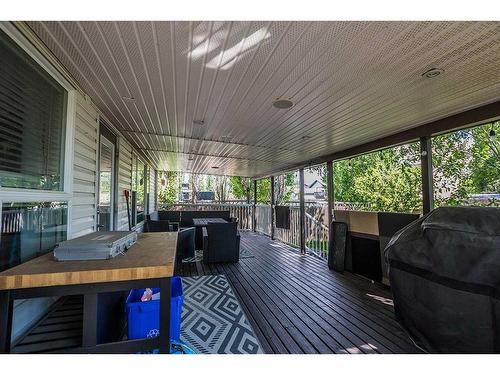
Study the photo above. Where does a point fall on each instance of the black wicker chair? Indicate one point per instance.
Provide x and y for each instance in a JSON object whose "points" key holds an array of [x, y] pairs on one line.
{"points": [[221, 243]]}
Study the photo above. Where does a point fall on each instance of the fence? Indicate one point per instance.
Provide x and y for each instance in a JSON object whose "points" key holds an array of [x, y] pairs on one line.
{"points": [[242, 211], [263, 218], [315, 227]]}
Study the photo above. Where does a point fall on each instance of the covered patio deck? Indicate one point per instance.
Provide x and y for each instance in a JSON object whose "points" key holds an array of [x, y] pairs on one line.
{"points": [[295, 304]]}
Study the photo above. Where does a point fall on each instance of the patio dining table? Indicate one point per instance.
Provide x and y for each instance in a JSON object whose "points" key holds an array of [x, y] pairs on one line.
{"points": [[202, 222]]}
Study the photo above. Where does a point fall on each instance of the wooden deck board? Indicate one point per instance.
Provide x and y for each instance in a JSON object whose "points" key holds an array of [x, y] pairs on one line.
{"points": [[297, 305], [294, 303]]}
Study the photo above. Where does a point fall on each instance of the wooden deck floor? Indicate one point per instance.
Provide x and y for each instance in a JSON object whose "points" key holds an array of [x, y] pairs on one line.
{"points": [[297, 305]]}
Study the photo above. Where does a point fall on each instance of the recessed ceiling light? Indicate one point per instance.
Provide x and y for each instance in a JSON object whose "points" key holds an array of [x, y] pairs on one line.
{"points": [[198, 122], [128, 98], [283, 103], [431, 73]]}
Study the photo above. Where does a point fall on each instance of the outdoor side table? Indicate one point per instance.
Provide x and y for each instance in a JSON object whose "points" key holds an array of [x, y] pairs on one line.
{"points": [[149, 263]]}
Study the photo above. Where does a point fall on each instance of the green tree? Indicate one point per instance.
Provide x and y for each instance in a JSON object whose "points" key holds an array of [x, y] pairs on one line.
{"points": [[385, 180], [239, 186], [283, 187], [168, 187], [467, 162], [221, 188]]}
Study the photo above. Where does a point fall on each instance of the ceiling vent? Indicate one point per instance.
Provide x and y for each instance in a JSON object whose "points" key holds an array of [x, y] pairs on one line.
{"points": [[283, 103]]}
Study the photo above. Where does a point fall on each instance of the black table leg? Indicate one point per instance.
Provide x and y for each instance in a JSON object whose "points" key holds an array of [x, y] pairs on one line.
{"points": [[165, 297], [89, 320], [6, 307]]}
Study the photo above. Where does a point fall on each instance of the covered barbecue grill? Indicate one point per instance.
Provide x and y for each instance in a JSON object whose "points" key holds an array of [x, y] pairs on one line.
{"points": [[444, 271]]}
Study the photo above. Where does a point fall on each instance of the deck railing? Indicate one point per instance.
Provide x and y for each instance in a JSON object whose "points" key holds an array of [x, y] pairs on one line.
{"points": [[32, 219], [242, 211], [263, 218], [315, 228]]}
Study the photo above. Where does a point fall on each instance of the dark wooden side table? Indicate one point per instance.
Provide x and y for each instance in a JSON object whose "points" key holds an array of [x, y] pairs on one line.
{"points": [[149, 263]]}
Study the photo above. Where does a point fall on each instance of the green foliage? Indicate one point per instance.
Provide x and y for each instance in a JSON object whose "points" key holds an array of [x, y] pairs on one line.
{"points": [[467, 162], [264, 190], [239, 186], [283, 188], [386, 180], [168, 187]]}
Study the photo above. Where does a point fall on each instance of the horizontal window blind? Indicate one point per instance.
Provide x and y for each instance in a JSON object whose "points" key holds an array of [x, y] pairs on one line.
{"points": [[32, 117]]}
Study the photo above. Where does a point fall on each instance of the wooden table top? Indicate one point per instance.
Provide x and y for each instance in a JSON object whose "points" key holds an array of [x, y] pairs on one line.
{"points": [[153, 256]]}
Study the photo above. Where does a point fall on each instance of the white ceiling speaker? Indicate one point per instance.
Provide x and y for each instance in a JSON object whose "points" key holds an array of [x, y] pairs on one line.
{"points": [[283, 103]]}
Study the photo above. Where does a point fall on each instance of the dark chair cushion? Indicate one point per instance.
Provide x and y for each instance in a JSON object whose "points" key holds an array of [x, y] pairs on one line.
{"points": [[173, 216], [187, 218], [153, 216], [157, 226], [221, 243]]}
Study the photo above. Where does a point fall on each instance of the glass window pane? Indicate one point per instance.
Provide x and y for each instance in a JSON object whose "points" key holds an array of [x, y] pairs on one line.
{"points": [[466, 167], [29, 230], [387, 180], [32, 117]]}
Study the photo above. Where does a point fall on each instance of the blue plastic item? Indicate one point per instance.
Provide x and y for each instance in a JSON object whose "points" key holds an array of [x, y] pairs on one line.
{"points": [[179, 347], [144, 317]]}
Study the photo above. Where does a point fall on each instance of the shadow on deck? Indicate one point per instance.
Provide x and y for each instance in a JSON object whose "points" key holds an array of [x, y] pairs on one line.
{"points": [[296, 304]]}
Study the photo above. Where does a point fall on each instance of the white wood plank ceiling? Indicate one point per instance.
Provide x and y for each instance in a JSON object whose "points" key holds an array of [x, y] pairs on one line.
{"points": [[351, 82]]}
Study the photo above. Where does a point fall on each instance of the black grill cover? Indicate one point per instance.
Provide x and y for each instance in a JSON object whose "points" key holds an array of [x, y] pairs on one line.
{"points": [[444, 271]]}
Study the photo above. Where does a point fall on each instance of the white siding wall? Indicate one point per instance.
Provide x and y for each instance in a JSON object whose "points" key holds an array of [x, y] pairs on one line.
{"points": [[124, 180], [85, 168], [84, 196], [152, 189]]}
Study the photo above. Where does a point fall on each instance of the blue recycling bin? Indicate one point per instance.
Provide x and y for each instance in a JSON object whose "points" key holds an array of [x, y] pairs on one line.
{"points": [[144, 317]]}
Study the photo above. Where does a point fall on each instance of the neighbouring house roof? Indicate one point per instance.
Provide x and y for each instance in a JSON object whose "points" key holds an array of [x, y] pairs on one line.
{"points": [[316, 183]]}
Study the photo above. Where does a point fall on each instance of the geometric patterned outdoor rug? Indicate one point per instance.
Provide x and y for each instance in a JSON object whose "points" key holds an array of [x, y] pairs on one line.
{"points": [[213, 321], [198, 256]]}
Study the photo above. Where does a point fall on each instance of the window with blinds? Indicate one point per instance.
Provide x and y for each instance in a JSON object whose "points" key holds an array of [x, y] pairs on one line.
{"points": [[32, 118]]}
